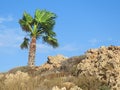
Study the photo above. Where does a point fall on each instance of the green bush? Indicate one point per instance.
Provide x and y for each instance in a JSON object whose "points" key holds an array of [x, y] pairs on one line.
{"points": [[89, 83], [70, 64], [104, 87]]}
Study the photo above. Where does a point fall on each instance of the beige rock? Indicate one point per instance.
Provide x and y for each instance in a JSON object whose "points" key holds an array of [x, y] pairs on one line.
{"points": [[68, 84], [104, 63], [53, 62], [18, 77], [1, 76], [56, 59], [75, 88], [57, 88], [64, 88]]}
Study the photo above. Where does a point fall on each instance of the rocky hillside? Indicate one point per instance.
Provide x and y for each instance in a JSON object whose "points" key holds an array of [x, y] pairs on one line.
{"points": [[104, 63], [97, 69]]}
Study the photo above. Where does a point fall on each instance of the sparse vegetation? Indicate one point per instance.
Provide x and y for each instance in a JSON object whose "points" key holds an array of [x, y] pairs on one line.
{"points": [[90, 83], [70, 64], [28, 78], [22, 81]]}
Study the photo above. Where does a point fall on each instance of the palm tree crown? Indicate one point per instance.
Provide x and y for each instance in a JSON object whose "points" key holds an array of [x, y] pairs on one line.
{"points": [[39, 26]]}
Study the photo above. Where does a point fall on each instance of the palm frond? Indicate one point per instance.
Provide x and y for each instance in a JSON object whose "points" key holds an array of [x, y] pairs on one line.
{"points": [[26, 22], [25, 43], [51, 33], [38, 34], [47, 26], [40, 26], [42, 16], [50, 40]]}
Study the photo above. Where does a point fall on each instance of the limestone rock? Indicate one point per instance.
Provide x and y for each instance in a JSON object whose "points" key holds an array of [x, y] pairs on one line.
{"points": [[104, 63], [53, 62], [1, 75], [56, 59], [57, 88], [75, 88], [18, 77], [68, 84], [64, 88]]}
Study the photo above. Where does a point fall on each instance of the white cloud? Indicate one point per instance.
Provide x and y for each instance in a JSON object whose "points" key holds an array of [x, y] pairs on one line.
{"points": [[13, 38], [43, 48], [104, 41], [1, 44], [6, 19], [93, 41], [69, 47], [10, 37]]}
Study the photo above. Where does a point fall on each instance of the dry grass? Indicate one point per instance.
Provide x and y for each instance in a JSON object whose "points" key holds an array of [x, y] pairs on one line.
{"points": [[23, 81], [89, 83], [26, 78], [70, 65]]}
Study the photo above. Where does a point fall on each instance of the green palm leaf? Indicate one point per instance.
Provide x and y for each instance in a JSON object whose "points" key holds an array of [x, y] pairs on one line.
{"points": [[26, 22], [50, 40], [25, 43], [42, 16]]}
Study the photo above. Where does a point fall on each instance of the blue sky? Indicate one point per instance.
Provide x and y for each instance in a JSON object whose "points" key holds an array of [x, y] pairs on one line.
{"points": [[80, 25]]}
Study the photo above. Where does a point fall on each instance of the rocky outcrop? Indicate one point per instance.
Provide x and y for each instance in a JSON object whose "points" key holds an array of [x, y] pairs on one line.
{"points": [[75, 88], [19, 76], [57, 88], [97, 69], [104, 63], [53, 62], [56, 59], [64, 88]]}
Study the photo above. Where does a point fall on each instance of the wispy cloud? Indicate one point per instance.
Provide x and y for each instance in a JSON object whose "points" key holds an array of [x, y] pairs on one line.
{"points": [[104, 41], [43, 48], [64, 48], [13, 37], [69, 47], [93, 41], [10, 37], [6, 19], [1, 44]]}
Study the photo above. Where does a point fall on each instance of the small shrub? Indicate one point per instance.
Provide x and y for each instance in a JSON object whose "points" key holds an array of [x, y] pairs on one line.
{"points": [[89, 83], [22, 69], [104, 87], [70, 64]]}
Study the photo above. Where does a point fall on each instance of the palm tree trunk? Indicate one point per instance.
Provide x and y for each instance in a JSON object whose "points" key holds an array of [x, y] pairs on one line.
{"points": [[32, 52]]}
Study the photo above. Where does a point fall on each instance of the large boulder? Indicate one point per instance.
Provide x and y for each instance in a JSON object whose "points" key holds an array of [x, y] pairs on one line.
{"points": [[56, 59], [75, 88], [57, 88], [104, 63], [53, 62], [64, 88]]}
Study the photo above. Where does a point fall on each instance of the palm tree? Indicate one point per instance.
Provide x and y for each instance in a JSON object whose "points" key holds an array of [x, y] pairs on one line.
{"points": [[39, 26]]}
